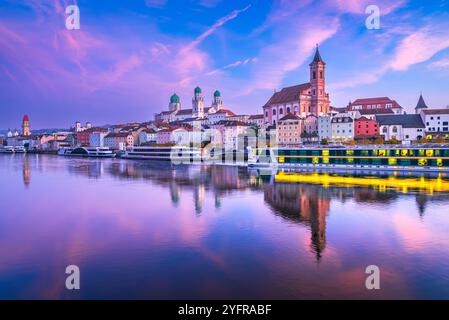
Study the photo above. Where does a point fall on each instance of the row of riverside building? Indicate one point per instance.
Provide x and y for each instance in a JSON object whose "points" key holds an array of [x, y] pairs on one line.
{"points": [[296, 115]]}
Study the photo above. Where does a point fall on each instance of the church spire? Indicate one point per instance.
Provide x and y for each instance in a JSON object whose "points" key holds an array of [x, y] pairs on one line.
{"points": [[421, 103], [317, 57]]}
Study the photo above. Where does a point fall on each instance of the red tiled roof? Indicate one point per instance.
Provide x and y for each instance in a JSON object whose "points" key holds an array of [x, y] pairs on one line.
{"points": [[118, 135], [184, 112], [376, 111], [364, 119], [256, 116], [289, 116], [436, 111], [289, 94], [377, 100], [228, 112]]}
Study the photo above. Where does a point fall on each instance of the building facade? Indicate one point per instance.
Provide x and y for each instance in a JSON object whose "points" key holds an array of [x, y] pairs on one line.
{"points": [[198, 110], [406, 127], [342, 128], [324, 127], [118, 141], [289, 130], [366, 129]]}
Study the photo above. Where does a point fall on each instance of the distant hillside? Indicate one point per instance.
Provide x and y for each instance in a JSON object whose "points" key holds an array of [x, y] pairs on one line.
{"points": [[39, 131]]}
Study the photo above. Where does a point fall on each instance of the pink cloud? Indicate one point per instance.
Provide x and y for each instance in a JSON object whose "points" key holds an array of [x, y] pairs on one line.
{"points": [[275, 61], [440, 64], [420, 47], [416, 47]]}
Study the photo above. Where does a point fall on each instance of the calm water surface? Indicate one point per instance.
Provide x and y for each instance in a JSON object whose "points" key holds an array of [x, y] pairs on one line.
{"points": [[146, 230]]}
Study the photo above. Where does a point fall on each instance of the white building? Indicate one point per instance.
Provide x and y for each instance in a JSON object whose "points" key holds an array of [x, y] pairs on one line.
{"points": [[147, 136], [342, 128], [436, 120], [96, 139], [257, 119], [403, 127], [118, 141], [78, 127], [324, 127]]}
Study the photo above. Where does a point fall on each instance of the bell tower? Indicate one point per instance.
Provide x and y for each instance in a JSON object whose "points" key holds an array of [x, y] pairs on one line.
{"points": [[198, 103], [320, 99], [26, 126]]}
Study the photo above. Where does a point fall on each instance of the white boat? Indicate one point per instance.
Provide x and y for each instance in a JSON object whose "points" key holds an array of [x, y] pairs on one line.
{"points": [[99, 152], [19, 149], [7, 149], [175, 154]]}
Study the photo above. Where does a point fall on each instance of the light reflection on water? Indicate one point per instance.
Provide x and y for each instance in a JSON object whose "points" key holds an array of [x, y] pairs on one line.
{"points": [[148, 230]]}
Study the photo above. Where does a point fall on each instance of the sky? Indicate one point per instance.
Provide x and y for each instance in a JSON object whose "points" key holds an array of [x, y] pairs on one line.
{"points": [[128, 57]]}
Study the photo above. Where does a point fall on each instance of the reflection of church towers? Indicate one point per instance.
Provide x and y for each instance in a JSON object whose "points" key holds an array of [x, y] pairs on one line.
{"points": [[198, 196], [174, 192], [198, 104], [26, 172], [421, 201], [304, 204], [217, 103]]}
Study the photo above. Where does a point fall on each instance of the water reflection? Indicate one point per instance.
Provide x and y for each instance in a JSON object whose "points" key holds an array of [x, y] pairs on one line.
{"points": [[305, 204], [225, 225]]}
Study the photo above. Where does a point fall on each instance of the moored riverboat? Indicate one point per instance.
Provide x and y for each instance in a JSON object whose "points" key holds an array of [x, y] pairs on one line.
{"points": [[379, 157]]}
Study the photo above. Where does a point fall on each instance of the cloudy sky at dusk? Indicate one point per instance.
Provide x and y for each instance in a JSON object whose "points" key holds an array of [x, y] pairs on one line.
{"points": [[130, 56]]}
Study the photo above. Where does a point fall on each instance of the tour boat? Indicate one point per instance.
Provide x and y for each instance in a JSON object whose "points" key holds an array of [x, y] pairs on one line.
{"points": [[98, 152], [379, 157], [19, 149], [176, 154], [7, 149]]}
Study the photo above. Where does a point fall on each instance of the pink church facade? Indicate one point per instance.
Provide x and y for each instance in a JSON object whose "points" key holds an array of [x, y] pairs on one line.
{"points": [[302, 100]]}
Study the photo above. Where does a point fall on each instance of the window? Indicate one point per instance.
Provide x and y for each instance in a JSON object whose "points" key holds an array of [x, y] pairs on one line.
{"points": [[274, 112], [281, 111], [313, 75], [321, 74], [395, 129], [313, 92], [288, 109]]}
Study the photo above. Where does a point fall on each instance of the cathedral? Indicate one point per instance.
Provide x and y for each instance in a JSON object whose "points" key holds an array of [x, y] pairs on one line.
{"points": [[197, 112], [303, 99]]}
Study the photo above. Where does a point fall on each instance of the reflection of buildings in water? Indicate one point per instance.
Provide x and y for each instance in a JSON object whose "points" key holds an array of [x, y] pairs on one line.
{"points": [[26, 171], [226, 178], [89, 168], [217, 201], [304, 204], [198, 197], [365, 195], [422, 201], [174, 193]]}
